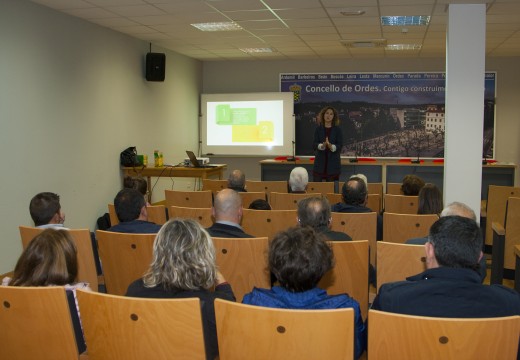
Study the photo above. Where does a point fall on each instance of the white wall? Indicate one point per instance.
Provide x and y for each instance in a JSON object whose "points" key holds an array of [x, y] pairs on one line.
{"points": [[257, 76], [72, 96]]}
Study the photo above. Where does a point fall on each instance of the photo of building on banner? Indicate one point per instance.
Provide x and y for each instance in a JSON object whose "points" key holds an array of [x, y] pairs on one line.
{"points": [[381, 114]]}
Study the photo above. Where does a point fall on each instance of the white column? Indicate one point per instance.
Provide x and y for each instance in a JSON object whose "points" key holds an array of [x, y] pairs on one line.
{"points": [[465, 71]]}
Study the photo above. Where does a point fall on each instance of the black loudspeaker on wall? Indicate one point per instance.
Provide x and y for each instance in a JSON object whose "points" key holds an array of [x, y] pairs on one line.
{"points": [[155, 66]]}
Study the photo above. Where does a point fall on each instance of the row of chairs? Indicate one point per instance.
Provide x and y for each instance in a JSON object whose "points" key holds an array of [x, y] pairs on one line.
{"points": [[117, 327]]}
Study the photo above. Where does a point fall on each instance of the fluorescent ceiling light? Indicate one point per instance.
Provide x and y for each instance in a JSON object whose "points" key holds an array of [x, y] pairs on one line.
{"points": [[352, 12], [417, 20], [257, 50], [403, 47], [364, 43], [218, 26]]}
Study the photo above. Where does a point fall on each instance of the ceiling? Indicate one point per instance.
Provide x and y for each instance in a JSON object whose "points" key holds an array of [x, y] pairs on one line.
{"points": [[295, 29]]}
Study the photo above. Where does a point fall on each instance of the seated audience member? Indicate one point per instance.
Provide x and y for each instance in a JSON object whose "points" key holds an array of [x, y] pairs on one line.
{"points": [[299, 258], [137, 183], [45, 210], [227, 211], [298, 180], [259, 204], [411, 185], [131, 211], [49, 260], [355, 197], [450, 287], [315, 212], [362, 177], [459, 209], [430, 200], [237, 181], [183, 266]]}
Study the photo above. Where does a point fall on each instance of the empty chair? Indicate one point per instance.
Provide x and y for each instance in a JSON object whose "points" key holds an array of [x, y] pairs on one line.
{"points": [[248, 197], [135, 328], [398, 228], [156, 214], [374, 202], [267, 222], [320, 187], [202, 215], [496, 207], [36, 323], [350, 272], [266, 186], [396, 262], [397, 336], [394, 188], [197, 199], [401, 204], [375, 188], [254, 332], [86, 260], [243, 262], [213, 185], [125, 258], [288, 201]]}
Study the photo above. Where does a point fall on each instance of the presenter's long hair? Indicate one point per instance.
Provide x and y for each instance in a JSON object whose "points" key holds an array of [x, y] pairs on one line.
{"points": [[335, 121]]}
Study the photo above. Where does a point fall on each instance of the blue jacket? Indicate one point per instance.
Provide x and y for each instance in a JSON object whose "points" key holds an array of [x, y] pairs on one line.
{"points": [[136, 227], [315, 299]]}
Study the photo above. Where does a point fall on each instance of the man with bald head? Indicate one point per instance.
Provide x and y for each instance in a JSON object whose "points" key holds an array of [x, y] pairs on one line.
{"points": [[237, 181], [227, 211]]}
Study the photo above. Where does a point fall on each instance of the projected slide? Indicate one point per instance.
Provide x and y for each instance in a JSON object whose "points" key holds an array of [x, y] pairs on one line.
{"points": [[247, 124]]}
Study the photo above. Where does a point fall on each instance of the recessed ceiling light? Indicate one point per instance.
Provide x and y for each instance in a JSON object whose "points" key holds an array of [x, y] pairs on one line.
{"points": [[352, 12], [257, 50], [403, 47], [218, 26], [364, 43], [416, 20]]}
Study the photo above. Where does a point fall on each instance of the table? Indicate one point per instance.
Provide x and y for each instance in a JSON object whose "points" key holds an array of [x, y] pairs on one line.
{"points": [[174, 171]]}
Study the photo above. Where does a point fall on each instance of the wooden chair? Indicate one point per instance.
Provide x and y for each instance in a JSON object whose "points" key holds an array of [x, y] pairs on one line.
{"points": [[320, 187], [129, 328], [398, 336], [375, 188], [398, 228], [156, 214], [125, 258], [350, 272], [288, 201], [334, 198], [267, 222], [36, 324], [257, 333], [496, 207], [396, 262], [202, 215], [360, 226], [243, 262], [214, 185], [196, 199], [504, 242], [266, 186], [86, 262], [249, 197], [401, 204], [394, 188]]}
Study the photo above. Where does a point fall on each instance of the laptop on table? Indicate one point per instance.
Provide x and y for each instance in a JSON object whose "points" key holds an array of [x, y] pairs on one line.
{"points": [[195, 162]]}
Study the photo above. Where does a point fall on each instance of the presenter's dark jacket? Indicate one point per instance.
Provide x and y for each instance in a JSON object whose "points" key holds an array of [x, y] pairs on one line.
{"points": [[346, 208], [222, 291], [227, 231], [327, 162], [447, 292], [136, 227]]}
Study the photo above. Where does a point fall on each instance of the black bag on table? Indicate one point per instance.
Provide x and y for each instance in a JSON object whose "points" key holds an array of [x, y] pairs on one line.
{"points": [[128, 157]]}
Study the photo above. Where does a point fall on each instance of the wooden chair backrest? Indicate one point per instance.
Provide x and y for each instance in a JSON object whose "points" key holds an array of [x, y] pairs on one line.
{"points": [[401, 204], [375, 188], [398, 336], [360, 226], [196, 199], [496, 207], [156, 214], [36, 324], [118, 327], [394, 188], [202, 215], [214, 185], [350, 272], [266, 186], [320, 187], [267, 222], [334, 198], [114, 220], [396, 262], [250, 196], [255, 332], [288, 201], [375, 202], [125, 258], [512, 232], [398, 228], [86, 262], [243, 262]]}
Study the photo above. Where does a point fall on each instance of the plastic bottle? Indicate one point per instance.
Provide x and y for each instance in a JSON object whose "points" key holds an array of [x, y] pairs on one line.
{"points": [[145, 160], [156, 158], [161, 159]]}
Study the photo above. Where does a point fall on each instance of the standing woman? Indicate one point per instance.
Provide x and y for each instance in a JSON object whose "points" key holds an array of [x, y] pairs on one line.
{"points": [[328, 141]]}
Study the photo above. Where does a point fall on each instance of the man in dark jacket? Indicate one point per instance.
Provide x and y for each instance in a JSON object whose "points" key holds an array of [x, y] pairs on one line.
{"points": [[131, 211], [227, 211], [315, 212]]}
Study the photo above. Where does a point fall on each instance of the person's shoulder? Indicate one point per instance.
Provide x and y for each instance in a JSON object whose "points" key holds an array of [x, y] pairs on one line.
{"points": [[417, 241]]}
